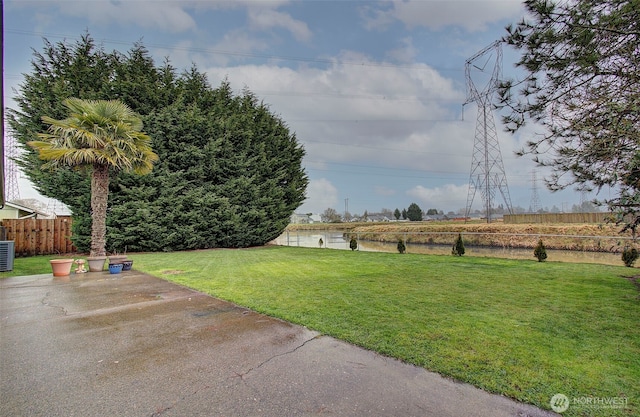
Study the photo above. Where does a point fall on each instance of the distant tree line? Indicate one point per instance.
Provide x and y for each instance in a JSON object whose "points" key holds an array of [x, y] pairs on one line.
{"points": [[414, 213]]}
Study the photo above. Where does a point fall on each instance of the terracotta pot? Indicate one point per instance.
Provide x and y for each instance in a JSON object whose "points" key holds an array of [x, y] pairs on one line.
{"points": [[96, 263], [61, 267]]}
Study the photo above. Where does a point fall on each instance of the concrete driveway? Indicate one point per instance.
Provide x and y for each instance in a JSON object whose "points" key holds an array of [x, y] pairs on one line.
{"points": [[97, 344]]}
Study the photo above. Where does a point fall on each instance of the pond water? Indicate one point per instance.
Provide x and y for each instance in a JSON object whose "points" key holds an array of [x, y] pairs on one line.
{"points": [[335, 240]]}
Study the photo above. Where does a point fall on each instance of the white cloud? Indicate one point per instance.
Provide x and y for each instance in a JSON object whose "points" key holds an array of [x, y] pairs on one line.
{"points": [[237, 42], [445, 196], [165, 15], [257, 34], [321, 194], [472, 15], [369, 126], [352, 113], [379, 121], [405, 53], [264, 19]]}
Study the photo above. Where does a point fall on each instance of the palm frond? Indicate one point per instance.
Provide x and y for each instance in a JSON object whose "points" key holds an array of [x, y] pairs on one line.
{"points": [[105, 132]]}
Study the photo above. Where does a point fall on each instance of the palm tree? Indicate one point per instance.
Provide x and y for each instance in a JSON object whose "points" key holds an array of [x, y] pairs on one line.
{"points": [[104, 135]]}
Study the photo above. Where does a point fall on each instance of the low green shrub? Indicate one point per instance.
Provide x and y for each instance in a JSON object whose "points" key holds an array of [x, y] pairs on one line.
{"points": [[401, 246], [540, 252], [629, 256], [458, 246]]}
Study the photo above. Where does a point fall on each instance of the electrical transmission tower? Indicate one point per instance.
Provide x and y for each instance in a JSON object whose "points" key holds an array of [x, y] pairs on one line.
{"points": [[534, 205], [11, 170], [483, 72]]}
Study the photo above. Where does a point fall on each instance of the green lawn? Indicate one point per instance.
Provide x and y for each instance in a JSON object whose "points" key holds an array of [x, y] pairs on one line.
{"points": [[523, 329], [34, 265]]}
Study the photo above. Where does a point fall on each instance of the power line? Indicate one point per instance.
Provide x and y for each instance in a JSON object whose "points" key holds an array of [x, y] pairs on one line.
{"points": [[379, 148], [338, 94], [451, 120], [386, 175], [379, 171], [211, 51]]}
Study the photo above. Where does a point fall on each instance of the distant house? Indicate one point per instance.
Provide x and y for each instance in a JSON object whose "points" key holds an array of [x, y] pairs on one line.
{"points": [[298, 218], [435, 217], [377, 218], [315, 218], [17, 211]]}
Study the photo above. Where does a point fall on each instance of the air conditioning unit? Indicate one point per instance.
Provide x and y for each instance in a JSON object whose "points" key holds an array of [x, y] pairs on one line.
{"points": [[7, 252]]}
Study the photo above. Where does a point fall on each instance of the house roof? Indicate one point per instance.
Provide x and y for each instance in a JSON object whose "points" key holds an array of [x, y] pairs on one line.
{"points": [[28, 210]]}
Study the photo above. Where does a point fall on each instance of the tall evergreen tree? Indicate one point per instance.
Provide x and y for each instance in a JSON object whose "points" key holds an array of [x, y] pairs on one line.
{"points": [[582, 65], [414, 212], [229, 172]]}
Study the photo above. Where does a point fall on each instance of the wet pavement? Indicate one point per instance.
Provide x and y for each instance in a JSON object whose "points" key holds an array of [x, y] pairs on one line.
{"points": [[130, 344]]}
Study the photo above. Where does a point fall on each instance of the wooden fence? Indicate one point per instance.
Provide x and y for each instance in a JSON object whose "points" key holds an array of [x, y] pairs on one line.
{"points": [[40, 236], [600, 217]]}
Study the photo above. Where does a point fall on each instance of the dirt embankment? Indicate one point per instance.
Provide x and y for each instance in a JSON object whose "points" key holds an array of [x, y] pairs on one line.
{"points": [[583, 237]]}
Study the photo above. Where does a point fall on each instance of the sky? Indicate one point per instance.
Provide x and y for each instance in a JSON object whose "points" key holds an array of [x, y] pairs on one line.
{"points": [[373, 90]]}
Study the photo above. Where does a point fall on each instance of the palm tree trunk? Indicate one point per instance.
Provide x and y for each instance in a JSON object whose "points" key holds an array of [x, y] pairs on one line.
{"points": [[99, 197]]}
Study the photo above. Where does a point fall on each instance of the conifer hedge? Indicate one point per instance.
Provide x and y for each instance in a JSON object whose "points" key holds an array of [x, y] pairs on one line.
{"points": [[230, 171]]}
